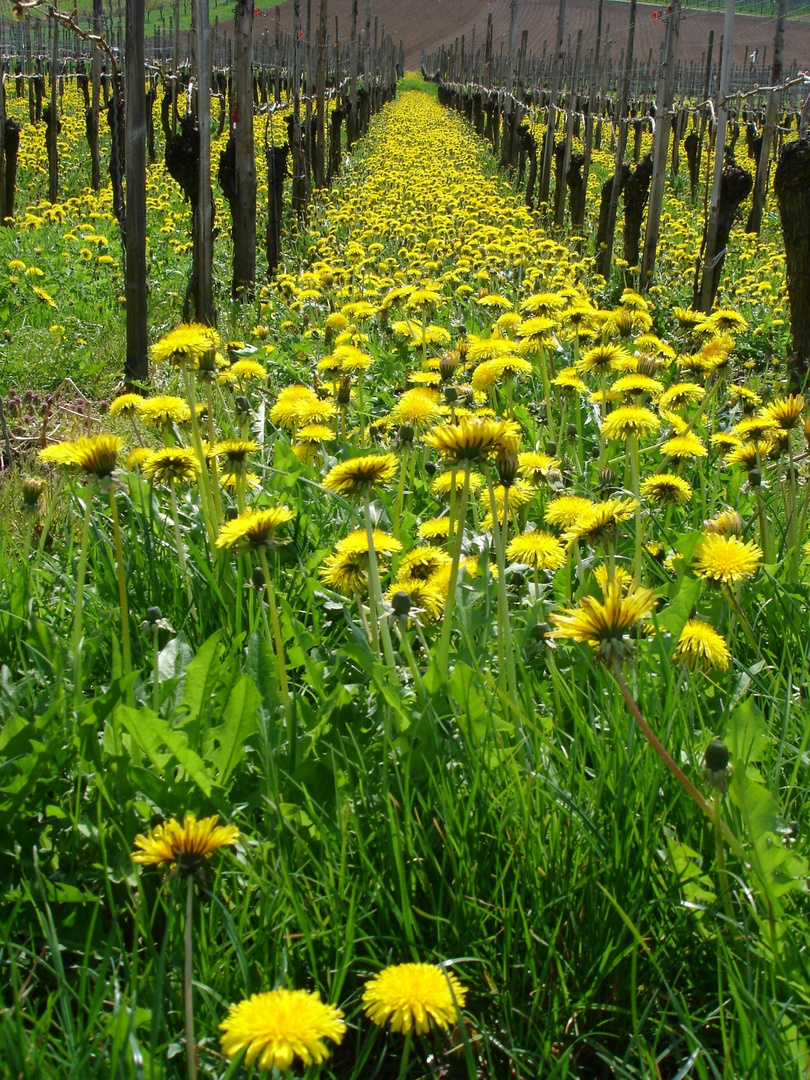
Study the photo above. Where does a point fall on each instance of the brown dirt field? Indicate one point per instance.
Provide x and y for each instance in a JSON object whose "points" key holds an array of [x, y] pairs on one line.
{"points": [[424, 25]]}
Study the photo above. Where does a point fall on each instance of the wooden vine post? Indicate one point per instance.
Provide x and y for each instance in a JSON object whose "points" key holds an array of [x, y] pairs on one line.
{"points": [[754, 223], [577, 224], [320, 92], [244, 202], [705, 298], [52, 122], [559, 194], [95, 98], [204, 241], [136, 365], [2, 147], [666, 94], [548, 141], [792, 187], [604, 256]]}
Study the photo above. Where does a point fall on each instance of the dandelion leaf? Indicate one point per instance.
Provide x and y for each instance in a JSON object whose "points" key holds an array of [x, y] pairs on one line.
{"points": [[225, 744]]}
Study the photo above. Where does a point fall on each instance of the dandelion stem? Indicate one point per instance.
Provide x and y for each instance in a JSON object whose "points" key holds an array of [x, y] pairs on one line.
{"points": [[181, 550], [401, 489], [188, 987], [406, 1055], [670, 762], [81, 573], [443, 653], [374, 587], [722, 875], [126, 650], [279, 644]]}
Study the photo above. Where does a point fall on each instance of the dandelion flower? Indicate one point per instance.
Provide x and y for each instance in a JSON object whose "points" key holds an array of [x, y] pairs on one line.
{"points": [[540, 550], [786, 411], [421, 563], [471, 439], [95, 454], [254, 528], [184, 346], [411, 997], [604, 358], [279, 1026], [417, 408], [165, 409], [684, 393], [360, 474], [172, 464], [700, 646], [186, 845], [666, 489], [605, 626], [126, 405], [629, 420], [684, 446], [725, 559], [567, 509], [599, 523]]}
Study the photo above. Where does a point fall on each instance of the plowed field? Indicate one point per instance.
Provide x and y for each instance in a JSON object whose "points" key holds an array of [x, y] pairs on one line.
{"points": [[423, 25]]}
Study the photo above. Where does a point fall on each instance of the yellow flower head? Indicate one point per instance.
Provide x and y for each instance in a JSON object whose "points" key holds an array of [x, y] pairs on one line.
{"points": [[604, 358], [666, 489], [412, 997], [684, 446], [279, 1026], [599, 523], [95, 454], [185, 346], [253, 528], [471, 439], [604, 626], [187, 845], [165, 409], [174, 464], [360, 474], [126, 405], [629, 420], [726, 559], [540, 550], [700, 646], [565, 510]]}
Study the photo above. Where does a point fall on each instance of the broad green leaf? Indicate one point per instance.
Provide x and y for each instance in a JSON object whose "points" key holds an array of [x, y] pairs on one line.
{"points": [[674, 617], [225, 744], [154, 736], [201, 675], [747, 735]]}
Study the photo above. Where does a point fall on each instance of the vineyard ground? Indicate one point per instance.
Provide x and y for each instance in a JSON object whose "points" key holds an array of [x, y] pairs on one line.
{"points": [[423, 25]]}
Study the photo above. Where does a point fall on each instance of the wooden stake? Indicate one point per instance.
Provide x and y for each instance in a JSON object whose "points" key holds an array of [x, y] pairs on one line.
{"points": [[136, 369], [666, 94]]}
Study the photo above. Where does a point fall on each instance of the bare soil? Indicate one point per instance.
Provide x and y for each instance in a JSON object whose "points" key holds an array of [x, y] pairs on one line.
{"points": [[424, 25]]}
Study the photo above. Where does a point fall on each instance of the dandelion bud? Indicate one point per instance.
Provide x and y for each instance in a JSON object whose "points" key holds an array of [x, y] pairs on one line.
{"points": [[450, 395], [258, 577], [647, 365], [32, 488], [540, 631], [551, 448], [208, 361], [754, 478], [506, 461], [554, 478], [806, 430], [153, 615], [344, 394], [716, 765], [518, 579], [430, 468], [572, 431], [401, 604], [607, 479], [231, 512], [242, 406], [405, 436], [448, 364]]}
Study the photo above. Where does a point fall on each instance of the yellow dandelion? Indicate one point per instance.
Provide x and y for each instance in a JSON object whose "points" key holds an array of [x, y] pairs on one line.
{"points": [[725, 559], [540, 550], [165, 409], [174, 464], [187, 846], [126, 405], [95, 454], [666, 489], [253, 528], [279, 1026], [471, 439], [413, 997], [700, 646], [629, 420], [605, 626], [358, 475]]}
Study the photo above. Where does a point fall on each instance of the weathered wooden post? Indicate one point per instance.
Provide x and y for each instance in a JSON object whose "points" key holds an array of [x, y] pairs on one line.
{"points": [[243, 208], [779, 42], [320, 91], [548, 141], [704, 299], [754, 223], [604, 255], [559, 194], [136, 365], [792, 186], [52, 122], [204, 241], [663, 111]]}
